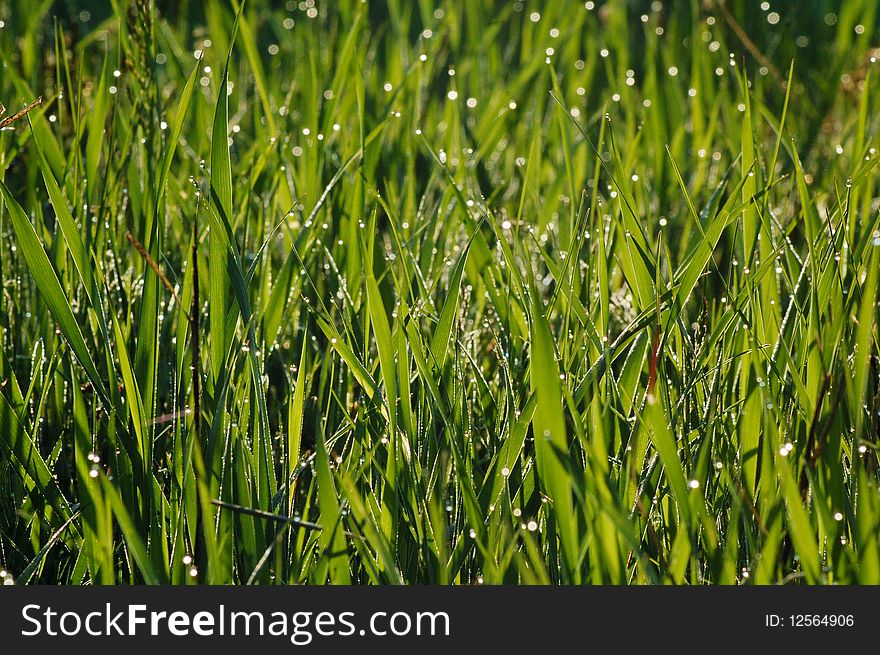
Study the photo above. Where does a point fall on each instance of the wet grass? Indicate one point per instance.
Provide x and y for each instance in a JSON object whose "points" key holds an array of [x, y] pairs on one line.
{"points": [[441, 293]]}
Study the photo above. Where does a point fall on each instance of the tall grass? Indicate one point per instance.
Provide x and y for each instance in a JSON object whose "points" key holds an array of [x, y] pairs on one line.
{"points": [[449, 293]]}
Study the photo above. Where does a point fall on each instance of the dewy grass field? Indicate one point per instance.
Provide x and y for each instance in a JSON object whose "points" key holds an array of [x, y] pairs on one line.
{"points": [[440, 292]]}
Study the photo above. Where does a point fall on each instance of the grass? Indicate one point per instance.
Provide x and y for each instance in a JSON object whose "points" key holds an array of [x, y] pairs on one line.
{"points": [[448, 293]]}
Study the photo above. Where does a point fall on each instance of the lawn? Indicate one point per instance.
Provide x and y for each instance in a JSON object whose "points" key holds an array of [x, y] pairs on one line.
{"points": [[439, 292]]}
